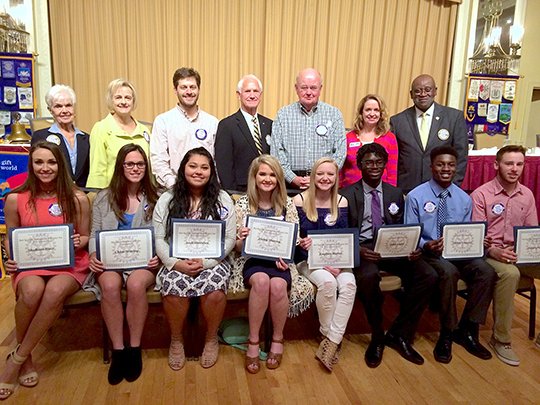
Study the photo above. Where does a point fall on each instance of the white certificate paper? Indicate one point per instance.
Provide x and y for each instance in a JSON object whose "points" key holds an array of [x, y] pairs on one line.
{"points": [[463, 240], [125, 249], [197, 239], [270, 239], [42, 247], [397, 240], [336, 247], [527, 244]]}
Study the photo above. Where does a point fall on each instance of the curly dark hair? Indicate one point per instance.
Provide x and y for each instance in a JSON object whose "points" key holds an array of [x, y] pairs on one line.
{"points": [[180, 204], [118, 195]]}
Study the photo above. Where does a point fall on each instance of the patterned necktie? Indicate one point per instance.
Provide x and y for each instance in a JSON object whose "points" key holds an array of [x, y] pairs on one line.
{"points": [[376, 217], [442, 211], [257, 135], [424, 130]]}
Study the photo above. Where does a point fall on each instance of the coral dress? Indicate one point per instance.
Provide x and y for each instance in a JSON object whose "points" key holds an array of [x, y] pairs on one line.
{"points": [[47, 212]]}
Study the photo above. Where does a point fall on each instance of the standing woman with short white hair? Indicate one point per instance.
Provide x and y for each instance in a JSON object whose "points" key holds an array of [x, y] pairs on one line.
{"points": [[73, 142], [117, 129]]}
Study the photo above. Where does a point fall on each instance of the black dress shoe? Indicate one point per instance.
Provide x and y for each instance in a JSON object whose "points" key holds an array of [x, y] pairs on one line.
{"points": [[403, 348], [470, 342], [443, 349], [374, 353]]}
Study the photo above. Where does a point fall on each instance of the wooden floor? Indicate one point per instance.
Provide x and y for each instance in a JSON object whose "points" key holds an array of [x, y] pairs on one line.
{"points": [[72, 372]]}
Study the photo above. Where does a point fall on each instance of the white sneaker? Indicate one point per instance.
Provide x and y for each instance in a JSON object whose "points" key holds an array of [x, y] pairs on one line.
{"points": [[504, 352], [538, 340]]}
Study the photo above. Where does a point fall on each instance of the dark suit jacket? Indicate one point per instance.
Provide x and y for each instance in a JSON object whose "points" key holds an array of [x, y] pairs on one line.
{"points": [[235, 149], [414, 161], [355, 197], [83, 154]]}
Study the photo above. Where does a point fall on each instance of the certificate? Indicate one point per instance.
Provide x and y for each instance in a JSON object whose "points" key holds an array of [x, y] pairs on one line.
{"points": [[397, 240], [334, 247], [42, 247], [197, 239], [125, 249], [527, 244], [463, 240], [270, 239]]}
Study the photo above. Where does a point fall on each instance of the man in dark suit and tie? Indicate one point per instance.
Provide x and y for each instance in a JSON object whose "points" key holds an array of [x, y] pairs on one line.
{"points": [[373, 203], [242, 137], [421, 128]]}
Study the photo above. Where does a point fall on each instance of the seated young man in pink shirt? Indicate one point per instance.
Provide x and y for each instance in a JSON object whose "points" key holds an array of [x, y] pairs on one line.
{"points": [[504, 203]]}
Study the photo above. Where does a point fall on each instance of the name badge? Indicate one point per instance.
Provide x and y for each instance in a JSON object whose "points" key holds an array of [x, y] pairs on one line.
{"points": [[146, 136], [443, 134], [429, 207], [201, 134], [497, 209], [53, 139], [393, 208], [328, 220], [321, 130], [55, 210], [355, 144]]}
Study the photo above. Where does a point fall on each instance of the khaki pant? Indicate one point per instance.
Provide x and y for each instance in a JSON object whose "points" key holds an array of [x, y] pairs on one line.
{"points": [[503, 299]]}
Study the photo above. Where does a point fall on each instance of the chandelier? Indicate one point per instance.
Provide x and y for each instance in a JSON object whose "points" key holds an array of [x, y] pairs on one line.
{"points": [[489, 57]]}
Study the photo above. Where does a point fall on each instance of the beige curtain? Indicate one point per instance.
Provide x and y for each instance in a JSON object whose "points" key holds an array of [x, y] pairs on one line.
{"points": [[359, 47]]}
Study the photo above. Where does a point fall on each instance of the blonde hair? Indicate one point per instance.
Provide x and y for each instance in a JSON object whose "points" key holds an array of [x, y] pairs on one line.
{"points": [[309, 196], [382, 126], [279, 194], [115, 85]]}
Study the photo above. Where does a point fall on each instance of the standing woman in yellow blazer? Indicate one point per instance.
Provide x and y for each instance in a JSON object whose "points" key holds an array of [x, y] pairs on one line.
{"points": [[117, 129]]}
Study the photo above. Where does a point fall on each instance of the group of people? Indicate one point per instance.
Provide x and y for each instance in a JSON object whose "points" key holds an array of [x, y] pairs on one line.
{"points": [[354, 180]]}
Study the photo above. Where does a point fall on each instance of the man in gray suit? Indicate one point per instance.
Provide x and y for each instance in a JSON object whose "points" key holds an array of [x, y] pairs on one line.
{"points": [[421, 128], [242, 137]]}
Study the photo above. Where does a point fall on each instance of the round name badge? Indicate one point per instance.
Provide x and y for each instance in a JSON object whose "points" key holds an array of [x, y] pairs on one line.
{"points": [[146, 136], [443, 134], [53, 139], [393, 208], [429, 207], [497, 209], [321, 130], [268, 139], [201, 134], [55, 210], [328, 220], [223, 212]]}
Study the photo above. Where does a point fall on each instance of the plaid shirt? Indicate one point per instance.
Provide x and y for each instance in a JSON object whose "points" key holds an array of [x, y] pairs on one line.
{"points": [[300, 138]]}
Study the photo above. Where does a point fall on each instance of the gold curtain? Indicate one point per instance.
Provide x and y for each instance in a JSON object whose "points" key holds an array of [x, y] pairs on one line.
{"points": [[359, 47]]}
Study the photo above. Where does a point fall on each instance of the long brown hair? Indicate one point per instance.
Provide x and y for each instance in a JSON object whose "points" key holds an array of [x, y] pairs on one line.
{"points": [[279, 194], [65, 188], [118, 187]]}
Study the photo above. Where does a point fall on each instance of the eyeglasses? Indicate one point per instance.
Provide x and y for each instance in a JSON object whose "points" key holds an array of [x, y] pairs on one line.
{"points": [[131, 165], [426, 90], [373, 163]]}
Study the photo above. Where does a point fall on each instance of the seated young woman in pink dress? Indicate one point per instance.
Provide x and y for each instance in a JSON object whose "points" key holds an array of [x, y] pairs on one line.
{"points": [[370, 125], [48, 197]]}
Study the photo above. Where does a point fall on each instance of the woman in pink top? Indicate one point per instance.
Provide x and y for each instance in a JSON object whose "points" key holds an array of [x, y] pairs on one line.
{"points": [[47, 197], [370, 125]]}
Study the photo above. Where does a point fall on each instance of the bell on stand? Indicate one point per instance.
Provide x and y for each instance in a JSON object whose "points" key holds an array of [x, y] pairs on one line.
{"points": [[18, 131]]}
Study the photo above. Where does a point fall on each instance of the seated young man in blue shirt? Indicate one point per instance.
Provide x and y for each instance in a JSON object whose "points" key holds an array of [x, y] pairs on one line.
{"points": [[373, 203], [433, 203]]}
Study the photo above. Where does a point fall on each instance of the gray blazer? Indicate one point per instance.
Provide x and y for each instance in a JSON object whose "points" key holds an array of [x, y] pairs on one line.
{"points": [[103, 217], [414, 161]]}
